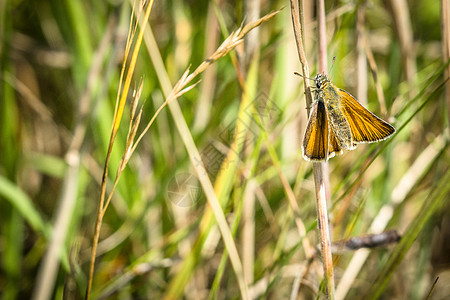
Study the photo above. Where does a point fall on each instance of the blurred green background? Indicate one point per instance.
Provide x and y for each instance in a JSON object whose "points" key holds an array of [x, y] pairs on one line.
{"points": [[60, 66]]}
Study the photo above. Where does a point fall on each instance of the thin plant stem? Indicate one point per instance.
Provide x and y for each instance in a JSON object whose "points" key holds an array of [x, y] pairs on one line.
{"points": [[321, 177], [321, 174], [116, 122]]}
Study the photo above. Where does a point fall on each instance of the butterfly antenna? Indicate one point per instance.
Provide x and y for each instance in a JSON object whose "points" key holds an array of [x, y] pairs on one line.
{"points": [[301, 75], [332, 64]]}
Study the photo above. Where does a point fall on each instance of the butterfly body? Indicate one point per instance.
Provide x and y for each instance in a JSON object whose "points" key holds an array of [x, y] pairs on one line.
{"points": [[338, 121]]}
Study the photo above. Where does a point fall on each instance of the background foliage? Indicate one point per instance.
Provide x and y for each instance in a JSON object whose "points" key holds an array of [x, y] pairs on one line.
{"points": [[60, 66]]}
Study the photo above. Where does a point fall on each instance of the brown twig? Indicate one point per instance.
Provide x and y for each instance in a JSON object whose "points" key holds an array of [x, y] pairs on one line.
{"points": [[366, 241]]}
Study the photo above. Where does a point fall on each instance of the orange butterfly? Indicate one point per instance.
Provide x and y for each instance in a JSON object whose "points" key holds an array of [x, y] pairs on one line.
{"points": [[338, 121]]}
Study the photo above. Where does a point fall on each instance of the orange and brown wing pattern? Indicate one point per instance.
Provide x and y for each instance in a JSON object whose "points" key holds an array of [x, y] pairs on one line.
{"points": [[365, 126], [334, 147], [315, 142]]}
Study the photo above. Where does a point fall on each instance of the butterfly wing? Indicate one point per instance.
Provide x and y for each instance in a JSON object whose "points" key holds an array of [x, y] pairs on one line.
{"points": [[333, 146], [315, 142], [365, 126]]}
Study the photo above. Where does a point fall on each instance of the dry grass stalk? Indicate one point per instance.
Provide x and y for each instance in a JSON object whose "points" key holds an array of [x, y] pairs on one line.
{"points": [[320, 169], [120, 105], [409, 180], [402, 19], [181, 87]]}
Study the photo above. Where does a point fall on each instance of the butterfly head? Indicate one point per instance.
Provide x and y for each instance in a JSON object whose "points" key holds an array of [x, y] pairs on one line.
{"points": [[320, 80]]}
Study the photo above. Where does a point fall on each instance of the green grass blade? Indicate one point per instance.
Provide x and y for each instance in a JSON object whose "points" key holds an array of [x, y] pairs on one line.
{"points": [[23, 204], [439, 195]]}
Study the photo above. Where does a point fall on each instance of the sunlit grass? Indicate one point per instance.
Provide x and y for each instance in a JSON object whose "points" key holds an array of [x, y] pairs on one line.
{"points": [[244, 118]]}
